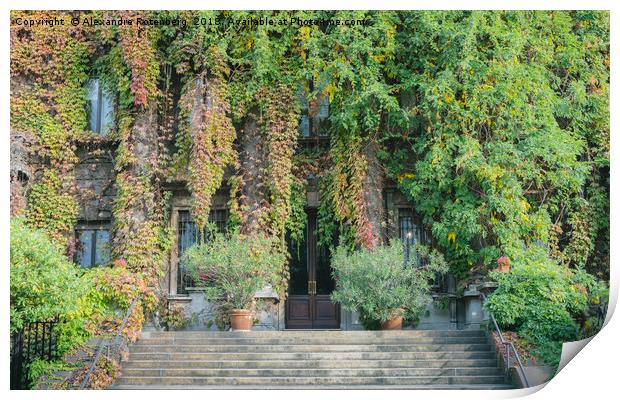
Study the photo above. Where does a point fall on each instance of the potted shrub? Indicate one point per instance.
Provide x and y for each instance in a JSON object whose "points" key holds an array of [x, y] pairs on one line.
{"points": [[381, 286], [232, 268]]}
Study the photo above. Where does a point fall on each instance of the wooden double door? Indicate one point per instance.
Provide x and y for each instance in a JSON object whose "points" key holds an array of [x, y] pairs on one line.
{"points": [[308, 305]]}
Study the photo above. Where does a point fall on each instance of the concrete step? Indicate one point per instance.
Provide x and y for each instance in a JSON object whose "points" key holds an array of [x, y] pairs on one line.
{"points": [[365, 340], [409, 359], [312, 333], [309, 372], [495, 386], [266, 382], [342, 364], [403, 355], [327, 348]]}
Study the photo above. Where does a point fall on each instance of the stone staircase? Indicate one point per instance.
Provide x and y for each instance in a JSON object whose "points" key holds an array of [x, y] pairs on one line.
{"points": [[413, 359]]}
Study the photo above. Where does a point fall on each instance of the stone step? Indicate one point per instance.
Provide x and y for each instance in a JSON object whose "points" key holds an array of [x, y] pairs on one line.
{"points": [[312, 333], [403, 355], [228, 364], [327, 348], [310, 372], [494, 386], [325, 381], [298, 359], [315, 341]]}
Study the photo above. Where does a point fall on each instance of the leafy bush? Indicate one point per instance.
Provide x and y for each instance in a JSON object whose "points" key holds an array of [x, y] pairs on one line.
{"points": [[173, 316], [44, 284], [539, 299], [380, 286], [39, 369], [233, 268], [107, 294]]}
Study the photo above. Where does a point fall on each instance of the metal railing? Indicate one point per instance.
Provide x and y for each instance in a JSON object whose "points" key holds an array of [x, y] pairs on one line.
{"points": [[35, 341], [116, 342], [509, 347]]}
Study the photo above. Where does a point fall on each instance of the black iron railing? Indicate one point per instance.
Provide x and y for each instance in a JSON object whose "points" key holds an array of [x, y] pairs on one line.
{"points": [[36, 341], [113, 347], [510, 351]]}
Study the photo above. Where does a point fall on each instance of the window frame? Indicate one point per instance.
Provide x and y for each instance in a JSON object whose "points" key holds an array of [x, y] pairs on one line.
{"points": [[181, 284], [313, 133], [416, 223], [101, 95], [94, 228]]}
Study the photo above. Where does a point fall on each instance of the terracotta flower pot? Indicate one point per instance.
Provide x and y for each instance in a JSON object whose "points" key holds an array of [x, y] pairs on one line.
{"points": [[393, 324], [503, 264], [241, 320]]}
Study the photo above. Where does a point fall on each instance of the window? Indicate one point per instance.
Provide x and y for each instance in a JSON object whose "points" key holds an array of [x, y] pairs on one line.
{"points": [[409, 230], [100, 107], [187, 236], [314, 121], [92, 247]]}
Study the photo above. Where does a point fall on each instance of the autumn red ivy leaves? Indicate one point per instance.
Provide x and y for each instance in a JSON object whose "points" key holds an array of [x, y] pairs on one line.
{"points": [[48, 72], [281, 117], [365, 76], [137, 43], [212, 133]]}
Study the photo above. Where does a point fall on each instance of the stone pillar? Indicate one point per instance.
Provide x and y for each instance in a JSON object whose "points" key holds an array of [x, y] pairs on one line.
{"points": [[474, 317], [373, 193], [451, 283]]}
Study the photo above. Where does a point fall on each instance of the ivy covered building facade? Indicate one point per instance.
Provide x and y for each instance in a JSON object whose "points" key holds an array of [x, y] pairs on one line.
{"points": [[307, 303], [130, 142]]}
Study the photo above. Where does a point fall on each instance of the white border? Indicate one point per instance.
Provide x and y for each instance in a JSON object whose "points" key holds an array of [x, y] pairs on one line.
{"points": [[592, 374]]}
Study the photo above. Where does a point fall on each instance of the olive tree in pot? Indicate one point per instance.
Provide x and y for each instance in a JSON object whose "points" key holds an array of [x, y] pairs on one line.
{"points": [[232, 268], [381, 286]]}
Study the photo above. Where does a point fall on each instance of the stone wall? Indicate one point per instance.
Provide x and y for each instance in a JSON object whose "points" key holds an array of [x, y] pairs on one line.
{"points": [[202, 314], [95, 187]]}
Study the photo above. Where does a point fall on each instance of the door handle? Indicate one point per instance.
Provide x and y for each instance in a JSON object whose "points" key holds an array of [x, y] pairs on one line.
{"points": [[312, 287]]}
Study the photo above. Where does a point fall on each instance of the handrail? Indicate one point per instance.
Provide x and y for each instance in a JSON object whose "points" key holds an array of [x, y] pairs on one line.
{"points": [[507, 346], [116, 338]]}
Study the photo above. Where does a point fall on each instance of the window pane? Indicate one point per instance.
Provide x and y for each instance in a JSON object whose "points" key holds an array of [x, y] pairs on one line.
{"points": [[304, 126], [92, 100], [298, 265], [107, 111], [84, 248], [219, 218], [187, 236], [324, 108], [407, 230], [102, 251]]}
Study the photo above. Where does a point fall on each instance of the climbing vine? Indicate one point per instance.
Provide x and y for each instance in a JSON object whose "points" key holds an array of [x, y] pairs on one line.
{"points": [[281, 116], [495, 151], [342, 206], [48, 73], [454, 124], [140, 237], [206, 105], [139, 53]]}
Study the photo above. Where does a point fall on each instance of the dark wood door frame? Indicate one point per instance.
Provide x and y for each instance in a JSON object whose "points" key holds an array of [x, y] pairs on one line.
{"points": [[312, 310]]}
